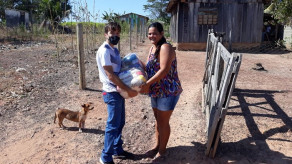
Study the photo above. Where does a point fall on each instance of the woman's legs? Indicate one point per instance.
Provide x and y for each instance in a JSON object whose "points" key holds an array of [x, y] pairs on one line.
{"points": [[156, 146], [162, 109], [162, 132]]}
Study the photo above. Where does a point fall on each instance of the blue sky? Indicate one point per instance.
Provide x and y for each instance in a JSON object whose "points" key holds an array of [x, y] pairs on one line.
{"points": [[116, 6]]}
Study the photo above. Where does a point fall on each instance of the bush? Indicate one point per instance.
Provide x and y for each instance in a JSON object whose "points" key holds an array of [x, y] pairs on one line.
{"points": [[2, 23]]}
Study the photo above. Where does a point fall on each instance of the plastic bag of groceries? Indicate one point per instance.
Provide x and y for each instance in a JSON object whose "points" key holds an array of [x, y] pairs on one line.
{"points": [[130, 61], [132, 74]]}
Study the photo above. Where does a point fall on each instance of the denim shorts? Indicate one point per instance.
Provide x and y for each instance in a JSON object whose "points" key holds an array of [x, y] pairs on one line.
{"points": [[164, 103]]}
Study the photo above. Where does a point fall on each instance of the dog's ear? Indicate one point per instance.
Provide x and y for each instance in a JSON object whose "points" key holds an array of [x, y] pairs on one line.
{"points": [[84, 105], [91, 108]]}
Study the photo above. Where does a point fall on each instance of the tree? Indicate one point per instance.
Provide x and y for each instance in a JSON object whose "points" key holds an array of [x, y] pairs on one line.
{"points": [[4, 4], [54, 10], [43, 9], [157, 8], [281, 10], [110, 17], [25, 5]]}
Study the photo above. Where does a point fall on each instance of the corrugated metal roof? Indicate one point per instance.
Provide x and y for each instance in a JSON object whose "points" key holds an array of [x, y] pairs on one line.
{"points": [[127, 15], [172, 3]]}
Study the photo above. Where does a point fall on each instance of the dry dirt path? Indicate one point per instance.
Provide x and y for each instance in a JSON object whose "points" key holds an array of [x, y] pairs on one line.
{"points": [[257, 127]]}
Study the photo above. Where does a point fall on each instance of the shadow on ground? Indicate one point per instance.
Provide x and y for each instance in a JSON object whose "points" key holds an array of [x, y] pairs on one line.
{"points": [[85, 130], [264, 48], [253, 149]]}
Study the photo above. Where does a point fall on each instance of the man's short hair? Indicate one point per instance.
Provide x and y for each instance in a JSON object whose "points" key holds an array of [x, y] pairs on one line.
{"points": [[112, 26]]}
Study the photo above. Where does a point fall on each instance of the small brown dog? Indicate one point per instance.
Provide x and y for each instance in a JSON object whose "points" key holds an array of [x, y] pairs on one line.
{"points": [[79, 116]]}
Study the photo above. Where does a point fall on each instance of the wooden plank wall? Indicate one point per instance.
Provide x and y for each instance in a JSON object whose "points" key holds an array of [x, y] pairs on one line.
{"points": [[174, 22], [180, 20], [243, 18]]}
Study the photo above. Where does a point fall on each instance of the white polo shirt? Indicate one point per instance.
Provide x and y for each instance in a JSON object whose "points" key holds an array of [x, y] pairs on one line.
{"points": [[108, 56]]}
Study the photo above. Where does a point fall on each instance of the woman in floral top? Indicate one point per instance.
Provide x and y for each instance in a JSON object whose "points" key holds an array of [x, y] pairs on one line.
{"points": [[163, 85]]}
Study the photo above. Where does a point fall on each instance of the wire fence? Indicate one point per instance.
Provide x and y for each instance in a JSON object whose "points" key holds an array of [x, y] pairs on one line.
{"points": [[63, 35], [65, 39]]}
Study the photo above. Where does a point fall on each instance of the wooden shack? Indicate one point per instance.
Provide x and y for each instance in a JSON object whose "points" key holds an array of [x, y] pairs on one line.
{"points": [[241, 20], [137, 24], [14, 18], [137, 20]]}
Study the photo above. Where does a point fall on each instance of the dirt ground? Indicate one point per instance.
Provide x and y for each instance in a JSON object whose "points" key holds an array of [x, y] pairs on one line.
{"points": [[34, 83]]}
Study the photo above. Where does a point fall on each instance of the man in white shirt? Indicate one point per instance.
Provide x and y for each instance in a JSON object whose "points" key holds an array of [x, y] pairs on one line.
{"points": [[109, 64]]}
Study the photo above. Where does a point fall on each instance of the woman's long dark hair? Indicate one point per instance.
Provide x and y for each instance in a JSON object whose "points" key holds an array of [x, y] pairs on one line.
{"points": [[159, 27]]}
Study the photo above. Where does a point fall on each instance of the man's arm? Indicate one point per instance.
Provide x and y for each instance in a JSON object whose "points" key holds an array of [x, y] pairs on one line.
{"points": [[117, 81]]}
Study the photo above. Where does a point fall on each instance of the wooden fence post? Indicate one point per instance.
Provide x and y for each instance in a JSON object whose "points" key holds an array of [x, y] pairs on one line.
{"points": [[80, 47], [143, 32], [137, 35], [130, 33], [141, 39]]}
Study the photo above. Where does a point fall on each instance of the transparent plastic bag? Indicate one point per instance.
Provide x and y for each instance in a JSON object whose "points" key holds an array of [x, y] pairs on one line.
{"points": [[132, 74], [129, 61]]}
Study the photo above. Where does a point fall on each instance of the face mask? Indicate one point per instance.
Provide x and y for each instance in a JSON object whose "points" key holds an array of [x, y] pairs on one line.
{"points": [[114, 40]]}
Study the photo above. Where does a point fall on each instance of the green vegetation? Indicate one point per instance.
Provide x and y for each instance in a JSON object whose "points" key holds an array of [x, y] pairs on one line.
{"points": [[110, 16], [43, 12], [159, 14], [125, 28], [158, 10], [84, 24], [50, 22], [281, 10], [97, 27], [53, 10], [20, 33], [2, 23]]}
